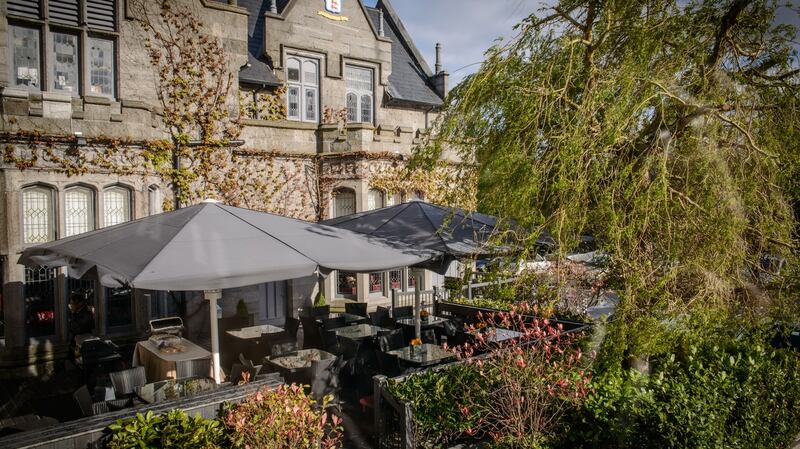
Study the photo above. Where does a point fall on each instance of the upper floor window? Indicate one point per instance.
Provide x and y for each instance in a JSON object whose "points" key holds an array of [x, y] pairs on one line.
{"points": [[359, 83], [374, 199], [25, 55], [393, 199], [38, 225], [116, 205], [65, 73], [78, 211], [344, 202], [101, 67], [61, 28], [302, 75]]}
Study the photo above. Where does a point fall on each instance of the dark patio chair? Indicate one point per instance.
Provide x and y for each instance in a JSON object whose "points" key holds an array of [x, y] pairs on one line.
{"points": [[350, 350], [321, 311], [127, 380], [333, 323], [379, 316], [356, 308], [403, 312], [193, 368], [388, 364], [392, 340], [428, 336], [290, 326], [238, 369], [324, 377], [312, 333], [330, 342], [89, 408]]}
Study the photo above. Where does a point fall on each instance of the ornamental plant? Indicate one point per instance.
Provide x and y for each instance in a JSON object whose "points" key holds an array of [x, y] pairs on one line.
{"points": [[175, 429], [281, 418], [530, 379]]}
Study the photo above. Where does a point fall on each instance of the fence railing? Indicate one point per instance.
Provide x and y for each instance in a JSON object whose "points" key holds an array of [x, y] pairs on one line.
{"points": [[401, 299]]}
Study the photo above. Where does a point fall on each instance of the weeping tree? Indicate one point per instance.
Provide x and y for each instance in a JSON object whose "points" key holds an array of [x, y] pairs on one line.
{"points": [[668, 130]]}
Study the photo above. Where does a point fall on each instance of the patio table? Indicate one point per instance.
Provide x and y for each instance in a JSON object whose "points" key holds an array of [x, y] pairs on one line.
{"points": [[425, 355], [500, 334], [359, 331], [431, 321], [170, 390], [349, 318], [254, 332], [161, 365]]}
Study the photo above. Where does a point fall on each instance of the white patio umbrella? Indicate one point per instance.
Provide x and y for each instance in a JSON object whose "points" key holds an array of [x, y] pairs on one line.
{"points": [[211, 246]]}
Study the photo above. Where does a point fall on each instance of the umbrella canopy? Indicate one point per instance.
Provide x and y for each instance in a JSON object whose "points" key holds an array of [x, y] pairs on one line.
{"points": [[451, 232], [213, 246]]}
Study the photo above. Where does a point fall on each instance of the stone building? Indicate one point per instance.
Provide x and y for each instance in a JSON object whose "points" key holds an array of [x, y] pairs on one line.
{"points": [[76, 80]]}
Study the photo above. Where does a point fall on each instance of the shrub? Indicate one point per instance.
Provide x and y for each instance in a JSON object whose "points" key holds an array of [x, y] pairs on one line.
{"points": [[733, 392], [176, 429], [285, 417]]}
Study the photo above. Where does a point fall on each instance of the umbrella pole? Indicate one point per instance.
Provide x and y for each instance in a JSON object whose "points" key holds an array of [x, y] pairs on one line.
{"points": [[212, 296], [417, 303]]}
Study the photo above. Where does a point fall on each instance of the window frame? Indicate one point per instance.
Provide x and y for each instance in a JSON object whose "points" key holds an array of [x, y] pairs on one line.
{"points": [[43, 78], [52, 222], [360, 94], [91, 36], [79, 56], [130, 211], [92, 211], [303, 86]]}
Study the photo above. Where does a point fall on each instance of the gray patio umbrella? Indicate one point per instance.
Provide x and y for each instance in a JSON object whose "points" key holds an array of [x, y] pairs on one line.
{"points": [[211, 246], [451, 232]]}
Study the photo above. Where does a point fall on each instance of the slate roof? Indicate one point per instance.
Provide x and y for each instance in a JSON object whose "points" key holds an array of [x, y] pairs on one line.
{"points": [[409, 80], [260, 72]]}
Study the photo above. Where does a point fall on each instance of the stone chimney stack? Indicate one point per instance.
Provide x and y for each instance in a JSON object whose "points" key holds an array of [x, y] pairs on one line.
{"points": [[273, 7], [381, 31], [440, 78]]}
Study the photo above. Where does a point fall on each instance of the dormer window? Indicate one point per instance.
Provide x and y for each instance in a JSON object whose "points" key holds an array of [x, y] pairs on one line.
{"points": [[302, 76]]}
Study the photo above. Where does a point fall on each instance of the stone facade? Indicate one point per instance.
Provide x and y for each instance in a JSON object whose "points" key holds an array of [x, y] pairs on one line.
{"points": [[309, 159]]}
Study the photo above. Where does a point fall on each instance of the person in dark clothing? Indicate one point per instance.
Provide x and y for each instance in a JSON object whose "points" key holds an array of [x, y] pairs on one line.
{"points": [[81, 320]]}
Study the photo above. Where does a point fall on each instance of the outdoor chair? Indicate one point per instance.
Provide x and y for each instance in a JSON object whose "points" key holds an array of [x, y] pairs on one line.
{"points": [[379, 316], [290, 326], [324, 377], [193, 368], [127, 380], [350, 352], [391, 340], [330, 342], [388, 364], [403, 312], [333, 323], [88, 408], [238, 369], [356, 308], [428, 336], [312, 333]]}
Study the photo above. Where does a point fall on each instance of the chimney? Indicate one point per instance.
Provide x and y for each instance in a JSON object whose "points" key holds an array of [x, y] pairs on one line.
{"points": [[441, 78], [438, 58], [381, 32], [273, 7]]}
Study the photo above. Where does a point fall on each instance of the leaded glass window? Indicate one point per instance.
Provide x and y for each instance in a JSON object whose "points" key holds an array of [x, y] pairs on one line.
{"points": [[25, 55], [360, 91], [344, 202], [396, 279], [393, 199], [78, 211], [346, 283], [65, 63], [155, 200], [302, 75], [37, 215], [101, 67], [374, 199], [116, 206], [376, 282]]}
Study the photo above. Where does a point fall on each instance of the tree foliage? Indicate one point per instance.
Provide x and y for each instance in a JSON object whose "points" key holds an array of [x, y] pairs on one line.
{"points": [[663, 128]]}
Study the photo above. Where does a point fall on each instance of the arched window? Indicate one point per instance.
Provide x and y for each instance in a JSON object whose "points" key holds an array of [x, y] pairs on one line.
{"points": [[155, 200], [360, 85], [374, 199], [78, 211], [38, 225], [344, 202], [417, 196], [116, 205], [302, 76], [393, 199]]}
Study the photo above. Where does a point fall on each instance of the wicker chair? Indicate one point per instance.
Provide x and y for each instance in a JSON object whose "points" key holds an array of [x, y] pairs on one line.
{"points": [[126, 381], [193, 368], [356, 308], [403, 312]]}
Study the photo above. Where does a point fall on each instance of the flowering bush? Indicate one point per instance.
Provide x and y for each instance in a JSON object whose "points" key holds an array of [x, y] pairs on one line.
{"points": [[531, 378], [281, 418]]}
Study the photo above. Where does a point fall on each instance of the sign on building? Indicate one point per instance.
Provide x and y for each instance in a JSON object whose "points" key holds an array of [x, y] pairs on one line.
{"points": [[333, 6]]}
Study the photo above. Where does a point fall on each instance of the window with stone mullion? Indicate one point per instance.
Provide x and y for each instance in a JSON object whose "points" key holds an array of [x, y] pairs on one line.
{"points": [[359, 84], [302, 94]]}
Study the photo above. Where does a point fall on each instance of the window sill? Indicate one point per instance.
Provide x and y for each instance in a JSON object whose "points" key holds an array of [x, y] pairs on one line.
{"points": [[285, 124]]}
